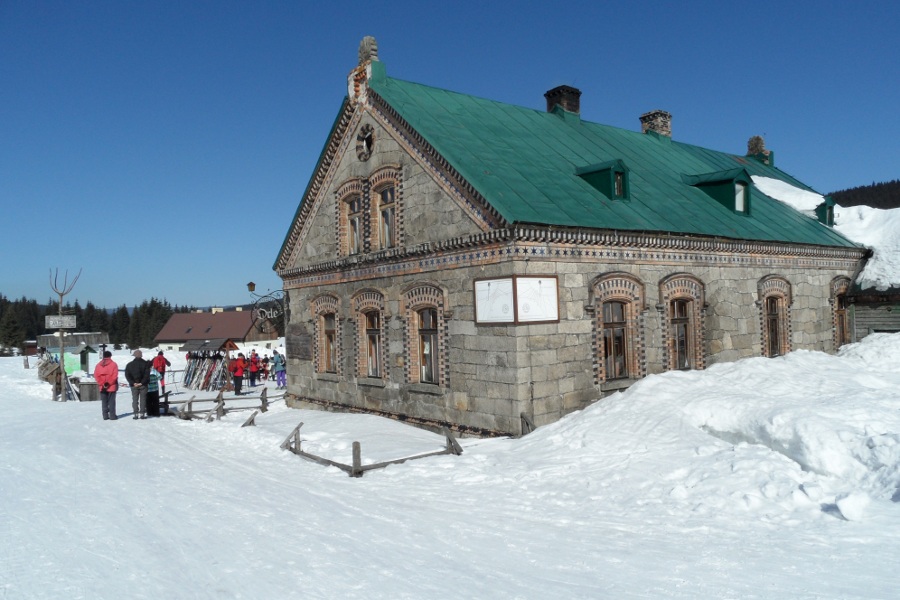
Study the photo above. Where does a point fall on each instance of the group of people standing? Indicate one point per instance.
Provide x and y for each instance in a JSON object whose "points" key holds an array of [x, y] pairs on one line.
{"points": [[257, 368], [145, 378]]}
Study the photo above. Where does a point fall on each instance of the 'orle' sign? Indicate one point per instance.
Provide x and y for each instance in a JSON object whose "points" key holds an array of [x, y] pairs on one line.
{"points": [[59, 321]]}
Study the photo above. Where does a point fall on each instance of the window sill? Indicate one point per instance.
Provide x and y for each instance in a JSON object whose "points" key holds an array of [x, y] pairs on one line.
{"points": [[370, 382], [328, 377], [616, 385], [425, 388]]}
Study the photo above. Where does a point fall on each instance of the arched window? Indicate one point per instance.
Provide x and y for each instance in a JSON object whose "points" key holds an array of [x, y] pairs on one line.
{"points": [[615, 335], [328, 334], [425, 351], [373, 343], [618, 343], [775, 315], [370, 318], [839, 288], [354, 225], [387, 221], [682, 300], [428, 345]]}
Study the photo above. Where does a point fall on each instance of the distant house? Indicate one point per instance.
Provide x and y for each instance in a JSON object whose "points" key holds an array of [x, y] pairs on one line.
{"points": [[197, 328], [871, 310], [456, 261]]}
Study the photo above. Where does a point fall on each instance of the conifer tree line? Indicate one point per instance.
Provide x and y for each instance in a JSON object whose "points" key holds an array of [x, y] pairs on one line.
{"points": [[23, 319], [878, 195]]}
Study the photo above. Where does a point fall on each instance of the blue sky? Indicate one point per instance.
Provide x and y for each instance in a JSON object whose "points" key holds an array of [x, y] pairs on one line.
{"points": [[163, 147]]}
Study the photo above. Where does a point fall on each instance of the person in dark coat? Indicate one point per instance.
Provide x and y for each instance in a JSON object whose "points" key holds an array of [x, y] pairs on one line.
{"points": [[137, 373]]}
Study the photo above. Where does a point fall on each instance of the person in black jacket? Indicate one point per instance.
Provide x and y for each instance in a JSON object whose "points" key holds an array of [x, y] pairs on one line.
{"points": [[137, 373]]}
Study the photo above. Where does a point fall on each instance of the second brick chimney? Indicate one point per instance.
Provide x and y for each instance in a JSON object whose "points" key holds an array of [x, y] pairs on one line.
{"points": [[657, 120]]}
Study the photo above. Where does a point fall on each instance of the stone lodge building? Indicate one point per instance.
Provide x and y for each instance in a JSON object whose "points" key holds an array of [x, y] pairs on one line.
{"points": [[458, 261]]}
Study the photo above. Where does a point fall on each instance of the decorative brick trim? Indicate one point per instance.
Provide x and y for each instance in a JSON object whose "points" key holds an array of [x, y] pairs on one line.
{"points": [[319, 307], [416, 298], [628, 289], [778, 287], [683, 286], [365, 301]]}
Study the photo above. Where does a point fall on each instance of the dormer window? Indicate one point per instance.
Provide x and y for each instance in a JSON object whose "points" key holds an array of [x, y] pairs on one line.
{"points": [[609, 178], [740, 196], [730, 188]]}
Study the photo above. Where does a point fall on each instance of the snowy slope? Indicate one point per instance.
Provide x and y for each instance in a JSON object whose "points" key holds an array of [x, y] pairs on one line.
{"points": [[765, 478]]}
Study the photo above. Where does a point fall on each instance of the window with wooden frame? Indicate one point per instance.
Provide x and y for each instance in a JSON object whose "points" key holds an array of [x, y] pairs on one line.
{"points": [[615, 340], [682, 300], [328, 334], [775, 315], [839, 288], [354, 225], [373, 343], [425, 351], [387, 217], [329, 343], [428, 345], [618, 305]]}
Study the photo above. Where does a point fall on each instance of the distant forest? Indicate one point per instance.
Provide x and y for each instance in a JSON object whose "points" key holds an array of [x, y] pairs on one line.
{"points": [[23, 319], [878, 195]]}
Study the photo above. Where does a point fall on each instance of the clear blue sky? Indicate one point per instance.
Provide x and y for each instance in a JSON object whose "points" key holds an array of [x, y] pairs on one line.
{"points": [[163, 147]]}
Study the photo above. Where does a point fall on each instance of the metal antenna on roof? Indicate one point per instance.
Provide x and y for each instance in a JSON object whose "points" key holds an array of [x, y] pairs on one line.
{"points": [[62, 291]]}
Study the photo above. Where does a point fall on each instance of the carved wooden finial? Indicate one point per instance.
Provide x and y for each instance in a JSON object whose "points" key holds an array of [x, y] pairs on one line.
{"points": [[368, 50]]}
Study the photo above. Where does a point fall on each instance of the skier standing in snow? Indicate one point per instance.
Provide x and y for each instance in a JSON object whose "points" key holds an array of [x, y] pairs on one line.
{"points": [[279, 368], [137, 373], [160, 363], [237, 371], [106, 373]]}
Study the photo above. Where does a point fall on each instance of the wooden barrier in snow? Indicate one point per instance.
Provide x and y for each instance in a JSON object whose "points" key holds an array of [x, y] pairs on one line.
{"points": [[357, 469], [187, 411]]}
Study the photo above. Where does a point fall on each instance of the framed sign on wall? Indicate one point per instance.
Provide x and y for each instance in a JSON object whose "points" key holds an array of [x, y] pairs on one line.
{"points": [[517, 299]]}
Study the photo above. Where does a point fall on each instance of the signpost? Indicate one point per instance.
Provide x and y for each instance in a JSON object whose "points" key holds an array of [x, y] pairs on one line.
{"points": [[59, 321]]}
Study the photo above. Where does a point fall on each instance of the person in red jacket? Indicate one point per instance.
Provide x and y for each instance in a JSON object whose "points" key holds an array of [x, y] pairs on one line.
{"points": [[106, 373], [254, 367], [160, 363], [237, 368]]}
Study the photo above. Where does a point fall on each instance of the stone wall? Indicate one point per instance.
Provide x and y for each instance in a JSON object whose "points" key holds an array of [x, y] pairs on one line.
{"points": [[498, 372]]}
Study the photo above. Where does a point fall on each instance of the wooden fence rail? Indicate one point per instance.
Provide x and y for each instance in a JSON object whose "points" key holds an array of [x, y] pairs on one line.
{"points": [[186, 410], [357, 469]]}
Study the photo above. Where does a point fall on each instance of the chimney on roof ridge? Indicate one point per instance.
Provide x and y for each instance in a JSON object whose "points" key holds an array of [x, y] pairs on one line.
{"points": [[658, 121], [756, 148], [566, 97]]}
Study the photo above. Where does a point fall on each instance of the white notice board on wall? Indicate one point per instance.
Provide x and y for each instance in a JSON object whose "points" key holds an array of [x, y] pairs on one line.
{"points": [[531, 299], [494, 302], [536, 299]]}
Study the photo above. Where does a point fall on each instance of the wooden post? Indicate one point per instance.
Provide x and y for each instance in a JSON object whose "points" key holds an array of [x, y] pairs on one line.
{"points": [[220, 406], [251, 422], [453, 446], [357, 461], [264, 400]]}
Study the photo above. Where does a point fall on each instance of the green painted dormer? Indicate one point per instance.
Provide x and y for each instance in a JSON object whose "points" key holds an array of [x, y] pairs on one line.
{"points": [[610, 178], [730, 188]]}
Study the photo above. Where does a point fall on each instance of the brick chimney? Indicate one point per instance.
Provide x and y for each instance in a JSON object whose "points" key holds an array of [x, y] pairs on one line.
{"points": [[566, 97], [657, 120]]}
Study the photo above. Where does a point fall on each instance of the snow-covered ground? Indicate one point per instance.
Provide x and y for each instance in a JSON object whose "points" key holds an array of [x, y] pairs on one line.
{"points": [[764, 478]]}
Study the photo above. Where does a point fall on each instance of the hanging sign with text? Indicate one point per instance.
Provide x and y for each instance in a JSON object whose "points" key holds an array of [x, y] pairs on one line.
{"points": [[59, 321]]}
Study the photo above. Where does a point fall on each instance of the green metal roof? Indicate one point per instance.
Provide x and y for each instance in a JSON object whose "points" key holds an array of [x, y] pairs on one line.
{"points": [[525, 163]]}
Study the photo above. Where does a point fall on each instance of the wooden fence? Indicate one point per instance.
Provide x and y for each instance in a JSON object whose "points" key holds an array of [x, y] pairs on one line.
{"points": [[357, 469]]}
